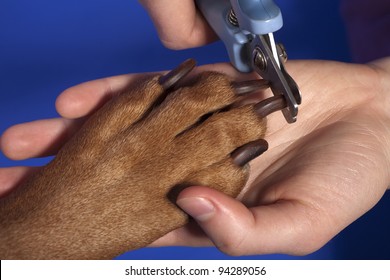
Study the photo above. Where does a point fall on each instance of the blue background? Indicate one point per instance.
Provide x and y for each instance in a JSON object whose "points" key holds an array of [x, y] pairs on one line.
{"points": [[47, 46]]}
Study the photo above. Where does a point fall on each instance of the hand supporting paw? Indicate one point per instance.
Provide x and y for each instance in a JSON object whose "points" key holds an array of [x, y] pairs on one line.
{"points": [[110, 188]]}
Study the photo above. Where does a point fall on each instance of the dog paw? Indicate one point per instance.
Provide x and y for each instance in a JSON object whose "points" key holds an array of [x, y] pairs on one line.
{"points": [[112, 187]]}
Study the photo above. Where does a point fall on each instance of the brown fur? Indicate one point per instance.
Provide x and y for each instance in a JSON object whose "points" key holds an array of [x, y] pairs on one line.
{"points": [[110, 188]]}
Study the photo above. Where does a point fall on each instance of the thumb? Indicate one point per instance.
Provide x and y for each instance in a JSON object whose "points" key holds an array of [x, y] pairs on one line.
{"points": [[282, 227], [224, 219]]}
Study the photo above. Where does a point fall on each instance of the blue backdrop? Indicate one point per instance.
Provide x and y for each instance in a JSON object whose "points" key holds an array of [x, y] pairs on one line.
{"points": [[47, 46]]}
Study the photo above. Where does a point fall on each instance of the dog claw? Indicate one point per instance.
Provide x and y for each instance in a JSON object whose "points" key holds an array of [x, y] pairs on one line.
{"points": [[270, 105], [170, 79], [244, 154], [246, 87]]}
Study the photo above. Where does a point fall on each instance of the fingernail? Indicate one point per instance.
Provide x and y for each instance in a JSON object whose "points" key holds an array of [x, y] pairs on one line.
{"points": [[199, 208], [244, 154]]}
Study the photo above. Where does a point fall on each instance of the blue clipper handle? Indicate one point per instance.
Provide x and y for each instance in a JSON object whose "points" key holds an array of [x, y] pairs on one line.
{"points": [[258, 16], [216, 13], [254, 17]]}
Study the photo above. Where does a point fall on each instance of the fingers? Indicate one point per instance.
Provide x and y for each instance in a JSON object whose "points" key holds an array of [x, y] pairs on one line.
{"points": [[281, 227], [11, 177], [83, 99], [37, 138], [178, 23]]}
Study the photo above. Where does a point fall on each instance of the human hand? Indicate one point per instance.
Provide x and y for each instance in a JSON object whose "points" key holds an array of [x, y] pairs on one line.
{"points": [[318, 176], [301, 192], [179, 24]]}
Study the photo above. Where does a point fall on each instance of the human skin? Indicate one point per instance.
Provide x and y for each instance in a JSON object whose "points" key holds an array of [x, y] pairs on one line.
{"points": [[190, 30], [179, 30], [319, 175]]}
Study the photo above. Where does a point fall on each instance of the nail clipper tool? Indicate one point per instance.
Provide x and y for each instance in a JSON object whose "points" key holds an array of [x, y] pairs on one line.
{"points": [[246, 27]]}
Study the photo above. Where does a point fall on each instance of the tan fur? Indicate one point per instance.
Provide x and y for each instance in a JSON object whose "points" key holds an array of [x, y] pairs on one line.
{"points": [[110, 188]]}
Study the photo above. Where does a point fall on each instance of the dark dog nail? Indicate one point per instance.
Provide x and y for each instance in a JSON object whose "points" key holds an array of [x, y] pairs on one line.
{"points": [[244, 154], [270, 105], [246, 87], [170, 79]]}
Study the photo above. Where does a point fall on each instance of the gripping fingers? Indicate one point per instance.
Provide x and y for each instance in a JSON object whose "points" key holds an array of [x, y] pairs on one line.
{"points": [[37, 138]]}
